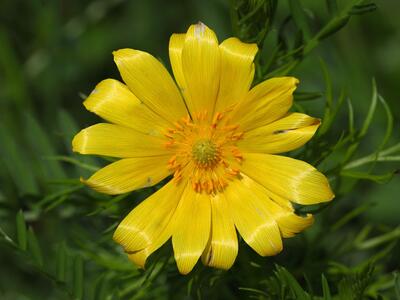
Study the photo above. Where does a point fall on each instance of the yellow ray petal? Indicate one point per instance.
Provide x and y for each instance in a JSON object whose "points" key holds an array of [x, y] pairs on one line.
{"points": [[289, 223], [265, 103], [222, 247], [145, 223], [237, 72], [256, 225], [192, 230], [114, 102], [290, 178], [176, 43], [140, 257], [117, 141], [148, 79], [201, 68], [283, 135], [129, 174]]}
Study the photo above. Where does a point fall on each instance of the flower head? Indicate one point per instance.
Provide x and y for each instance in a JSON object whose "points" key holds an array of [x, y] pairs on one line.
{"points": [[217, 137]]}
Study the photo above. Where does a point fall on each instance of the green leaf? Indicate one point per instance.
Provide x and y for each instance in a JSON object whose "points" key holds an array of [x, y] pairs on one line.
{"points": [[300, 18], [379, 240], [306, 96], [325, 288], [332, 7], [332, 27], [371, 111], [78, 277], [362, 9], [40, 142], [397, 284], [61, 262], [21, 231], [293, 284], [351, 215], [34, 247], [17, 163], [382, 178]]}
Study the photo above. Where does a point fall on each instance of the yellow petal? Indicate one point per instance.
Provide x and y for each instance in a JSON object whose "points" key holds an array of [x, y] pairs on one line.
{"points": [[140, 257], [289, 223], [129, 174], [114, 102], [237, 72], [193, 222], [290, 178], [145, 223], [254, 223], [201, 69], [151, 83], [283, 135], [222, 247], [117, 141], [176, 43], [265, 103]]}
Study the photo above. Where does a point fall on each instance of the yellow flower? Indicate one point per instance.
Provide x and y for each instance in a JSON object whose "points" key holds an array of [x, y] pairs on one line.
{"points": [[217, 138]]}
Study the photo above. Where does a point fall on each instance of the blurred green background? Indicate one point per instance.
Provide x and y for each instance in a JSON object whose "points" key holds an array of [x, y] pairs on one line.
{"points": [[53, 53]]}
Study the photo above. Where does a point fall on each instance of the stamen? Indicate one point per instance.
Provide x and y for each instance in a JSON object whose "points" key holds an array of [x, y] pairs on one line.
{"points": [[204, 151]]}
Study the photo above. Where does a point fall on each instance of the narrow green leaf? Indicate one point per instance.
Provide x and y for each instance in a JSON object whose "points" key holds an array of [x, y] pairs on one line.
{"points": [[41, 144], [300, 18], [16, 162], [61, 262], [326, 292], [371, 110], [383, 178], [351, 117], [377, 241], [34, 247], [332, 27], [78, 277], [362, 9], [294, 286], [389, 124], [397, 284], [254, 291], [306, 96], [21, 231], [327, 118], [76, 162], [351, 215], [332, 7]]}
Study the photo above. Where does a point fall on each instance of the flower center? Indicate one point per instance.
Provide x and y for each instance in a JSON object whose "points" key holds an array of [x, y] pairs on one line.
{"points": [[205, 151]]}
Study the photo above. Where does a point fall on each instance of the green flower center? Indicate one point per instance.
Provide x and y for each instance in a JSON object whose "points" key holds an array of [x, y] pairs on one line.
{"points": [[205, 152]]}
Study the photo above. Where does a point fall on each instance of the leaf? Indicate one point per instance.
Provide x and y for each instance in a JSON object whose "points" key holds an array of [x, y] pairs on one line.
{"points": [[300, 18], [351, 215], [61, 262], [40, 142], [379, 240], [332, 7], [21, 231], [306, 96], [325, 288], [397, 284], [294, 286], [383, 178], [78, 277], [332, 27], [362, 9], [17, 163], [34, 247], [371, 110]]}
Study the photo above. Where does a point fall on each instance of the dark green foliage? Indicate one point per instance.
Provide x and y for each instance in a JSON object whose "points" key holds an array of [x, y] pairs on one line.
{"points": [[56, 234]]}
